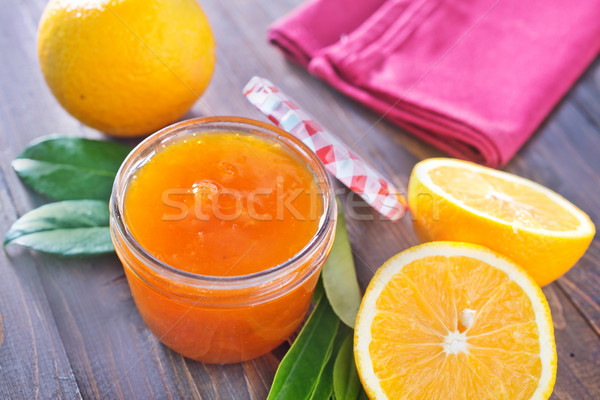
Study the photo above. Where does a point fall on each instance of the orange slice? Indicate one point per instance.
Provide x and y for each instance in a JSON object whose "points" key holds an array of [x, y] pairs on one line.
{"points": [[448, 320], [532, 225]]}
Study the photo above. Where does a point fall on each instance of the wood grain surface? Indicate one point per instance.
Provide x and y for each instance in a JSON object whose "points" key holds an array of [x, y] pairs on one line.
{"points": [[69, 327]]}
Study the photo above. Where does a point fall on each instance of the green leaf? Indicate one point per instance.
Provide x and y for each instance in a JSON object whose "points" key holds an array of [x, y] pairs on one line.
{"points": [[324, 387], [301, 367], [346, 384], [67, 168], [66, 228], [318, 292], [339, 275]]}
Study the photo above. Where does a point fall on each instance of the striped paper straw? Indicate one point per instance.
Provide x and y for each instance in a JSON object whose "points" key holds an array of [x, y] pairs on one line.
{"points": [[339, 160]]}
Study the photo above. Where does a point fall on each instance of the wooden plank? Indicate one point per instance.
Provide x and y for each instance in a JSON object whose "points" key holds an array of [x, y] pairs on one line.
{"points": [[578, 350], [587, 93], [33, 362]]}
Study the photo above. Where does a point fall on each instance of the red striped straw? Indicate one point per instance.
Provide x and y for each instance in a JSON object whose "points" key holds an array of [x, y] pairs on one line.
{"points": [[339, 160]]}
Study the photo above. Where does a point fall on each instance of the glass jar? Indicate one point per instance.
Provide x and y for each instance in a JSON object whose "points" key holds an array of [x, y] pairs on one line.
{"points": [[221, 319]]}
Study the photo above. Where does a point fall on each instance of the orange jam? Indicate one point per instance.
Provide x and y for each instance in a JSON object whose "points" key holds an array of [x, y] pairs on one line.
{"points": [[223, 204], [222, 226]]}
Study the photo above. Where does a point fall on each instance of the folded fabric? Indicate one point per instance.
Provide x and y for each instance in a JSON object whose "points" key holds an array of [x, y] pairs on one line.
{"points": [[472, 77]]}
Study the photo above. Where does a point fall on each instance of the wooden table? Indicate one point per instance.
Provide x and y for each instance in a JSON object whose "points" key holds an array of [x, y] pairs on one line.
{"points": [[69, 328]]}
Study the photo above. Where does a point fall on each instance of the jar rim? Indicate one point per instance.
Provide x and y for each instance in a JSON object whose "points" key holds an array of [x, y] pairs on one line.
{"points": [[293, 144]]}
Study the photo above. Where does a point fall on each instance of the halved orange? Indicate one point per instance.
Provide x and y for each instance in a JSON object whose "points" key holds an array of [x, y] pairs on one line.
{"points": [[447, 320], [530, 224]]}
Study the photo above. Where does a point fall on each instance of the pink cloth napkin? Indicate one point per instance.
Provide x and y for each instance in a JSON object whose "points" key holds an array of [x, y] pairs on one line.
{"points": [[472, 77]]}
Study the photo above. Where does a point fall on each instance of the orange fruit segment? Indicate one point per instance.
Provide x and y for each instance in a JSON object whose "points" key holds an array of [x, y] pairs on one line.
{"points": [[532, 225], [448, 320]]}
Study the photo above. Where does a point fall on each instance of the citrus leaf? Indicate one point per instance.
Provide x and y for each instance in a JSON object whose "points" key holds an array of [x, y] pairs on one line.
{"points": [[318, 292], [301, 367], [324, 387], [346, 384], [339, 275], [66, 228], [67, 168]]}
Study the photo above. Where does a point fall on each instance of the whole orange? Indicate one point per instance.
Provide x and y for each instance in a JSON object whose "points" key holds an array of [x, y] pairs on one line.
{"points": [[126, 67]]}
